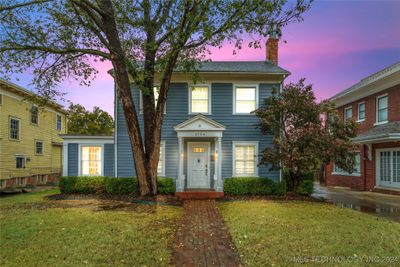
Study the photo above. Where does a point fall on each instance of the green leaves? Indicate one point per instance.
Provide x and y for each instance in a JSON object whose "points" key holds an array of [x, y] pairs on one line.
{"points": [[96, 122], [303, 138]]}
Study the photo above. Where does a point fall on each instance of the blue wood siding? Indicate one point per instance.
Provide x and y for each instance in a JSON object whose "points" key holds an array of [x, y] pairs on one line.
{"points": [[109, 160], [238, 128], [73, 159]]}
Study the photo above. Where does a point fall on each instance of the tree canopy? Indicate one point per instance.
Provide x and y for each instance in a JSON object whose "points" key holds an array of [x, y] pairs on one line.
{"points": [[303, 137], [144, 40], [95, 122]]}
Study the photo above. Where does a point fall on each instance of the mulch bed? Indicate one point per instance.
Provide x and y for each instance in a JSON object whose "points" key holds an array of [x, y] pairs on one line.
{"points": [[159, 199]]}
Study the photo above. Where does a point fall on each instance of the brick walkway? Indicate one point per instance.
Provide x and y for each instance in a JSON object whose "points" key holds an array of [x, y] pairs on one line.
{"points": [[202, 238]]}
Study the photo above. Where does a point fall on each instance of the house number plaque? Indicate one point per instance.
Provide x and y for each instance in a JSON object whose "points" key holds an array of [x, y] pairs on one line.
{"points": [[199, 134]]}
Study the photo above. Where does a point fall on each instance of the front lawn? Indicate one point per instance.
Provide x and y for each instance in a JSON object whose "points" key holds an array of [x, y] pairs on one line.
{"points": [[39, 232], [282, 233]]}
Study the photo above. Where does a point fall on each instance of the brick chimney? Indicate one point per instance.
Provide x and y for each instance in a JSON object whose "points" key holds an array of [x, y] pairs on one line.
{"points": [[272, 44]]}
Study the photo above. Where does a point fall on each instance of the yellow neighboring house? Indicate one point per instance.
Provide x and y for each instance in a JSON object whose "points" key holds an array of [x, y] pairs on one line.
{"points": [[30, 145]]}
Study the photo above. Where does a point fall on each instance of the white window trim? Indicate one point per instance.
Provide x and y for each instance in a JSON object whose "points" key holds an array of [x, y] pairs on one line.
{"points": [[141, 102], [234, 97], [190, 98], [244, 143], [377, 108], [346, 173], [162, 146], [80, 158], [358, 111], [9, 128], [59, 114], [20, 156], [378, 163], [41, 141], [344, 112]]}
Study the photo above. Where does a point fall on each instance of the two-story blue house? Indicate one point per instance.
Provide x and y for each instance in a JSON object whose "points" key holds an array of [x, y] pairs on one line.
{"points": [[208, 134]]}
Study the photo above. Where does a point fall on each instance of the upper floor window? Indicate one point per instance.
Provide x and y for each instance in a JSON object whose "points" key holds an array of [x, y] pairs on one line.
{"points": [[39, 147], [348, 113], [245, 158], [357, 167], [382, 109], [156, 91], [14, 127], [59, 122], [34, 115], [91, 160], [199, 99], [361, 111], [245, 99]]}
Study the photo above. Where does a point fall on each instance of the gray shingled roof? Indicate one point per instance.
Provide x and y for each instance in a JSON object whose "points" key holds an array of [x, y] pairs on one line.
{"points": [[242, 66], [389, 130]]}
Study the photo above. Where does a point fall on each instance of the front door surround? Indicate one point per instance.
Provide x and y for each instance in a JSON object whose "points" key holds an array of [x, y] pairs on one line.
{"points": [[198, 165]]}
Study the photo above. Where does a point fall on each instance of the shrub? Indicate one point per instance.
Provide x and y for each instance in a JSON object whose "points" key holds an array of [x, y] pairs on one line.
{"points": [[253, 186], [305, 188], [80, 184], [121, 186], [110, 185], [166, 186]]}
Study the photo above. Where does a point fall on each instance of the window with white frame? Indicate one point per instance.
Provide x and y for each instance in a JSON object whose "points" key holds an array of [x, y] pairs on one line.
{"points": [[39, 147], [199, 99], [34, 115], [156, 91], [20, 162], [348, 113], [91, 160], [245, 99], [245, 159], [361, 111], [59, 122], [382, 109], [357, 167], [161, 160], [20, 181], [14, 126]]}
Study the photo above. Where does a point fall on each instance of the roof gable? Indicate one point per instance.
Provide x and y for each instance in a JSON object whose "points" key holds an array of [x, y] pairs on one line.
{"points": [[199, 123]]}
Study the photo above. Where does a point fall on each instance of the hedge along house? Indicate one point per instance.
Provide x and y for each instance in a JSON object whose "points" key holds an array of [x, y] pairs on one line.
{"points": [[209, 132]]}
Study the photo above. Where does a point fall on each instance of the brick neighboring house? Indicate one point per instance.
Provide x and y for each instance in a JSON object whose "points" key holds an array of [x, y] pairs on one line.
{"points": [[374, 103]]}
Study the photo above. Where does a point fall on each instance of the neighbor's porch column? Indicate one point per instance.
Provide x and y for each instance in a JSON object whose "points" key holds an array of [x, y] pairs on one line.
{"points": [[219, 187], [181, 178]]}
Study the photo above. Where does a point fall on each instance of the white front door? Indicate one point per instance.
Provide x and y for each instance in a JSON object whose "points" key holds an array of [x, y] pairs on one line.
{"points": [[388, 167], [198, 165]]}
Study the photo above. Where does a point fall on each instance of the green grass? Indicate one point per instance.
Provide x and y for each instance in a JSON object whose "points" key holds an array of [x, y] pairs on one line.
{"points": [[70, 236], [273, 232]]}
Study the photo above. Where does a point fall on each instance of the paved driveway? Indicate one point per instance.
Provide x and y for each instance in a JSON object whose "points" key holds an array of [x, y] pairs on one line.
{"points": [[382, 205]]}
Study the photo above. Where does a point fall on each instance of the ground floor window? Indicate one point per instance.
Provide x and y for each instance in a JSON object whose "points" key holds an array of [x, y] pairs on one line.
{"points": [[42, 179], [245, 158], [161, 161], [20, 162], [91, 160], [357, 167], [388, 167]]}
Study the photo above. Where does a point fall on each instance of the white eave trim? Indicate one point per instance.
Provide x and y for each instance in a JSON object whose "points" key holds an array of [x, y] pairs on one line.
{"points": [[377, 138]]}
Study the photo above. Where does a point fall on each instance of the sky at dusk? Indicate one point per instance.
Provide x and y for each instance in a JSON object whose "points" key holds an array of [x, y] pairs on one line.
{"points": [[338, 43]]}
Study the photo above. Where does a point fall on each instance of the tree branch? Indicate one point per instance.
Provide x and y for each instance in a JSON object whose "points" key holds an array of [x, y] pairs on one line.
{"points": [[8, 8]]}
